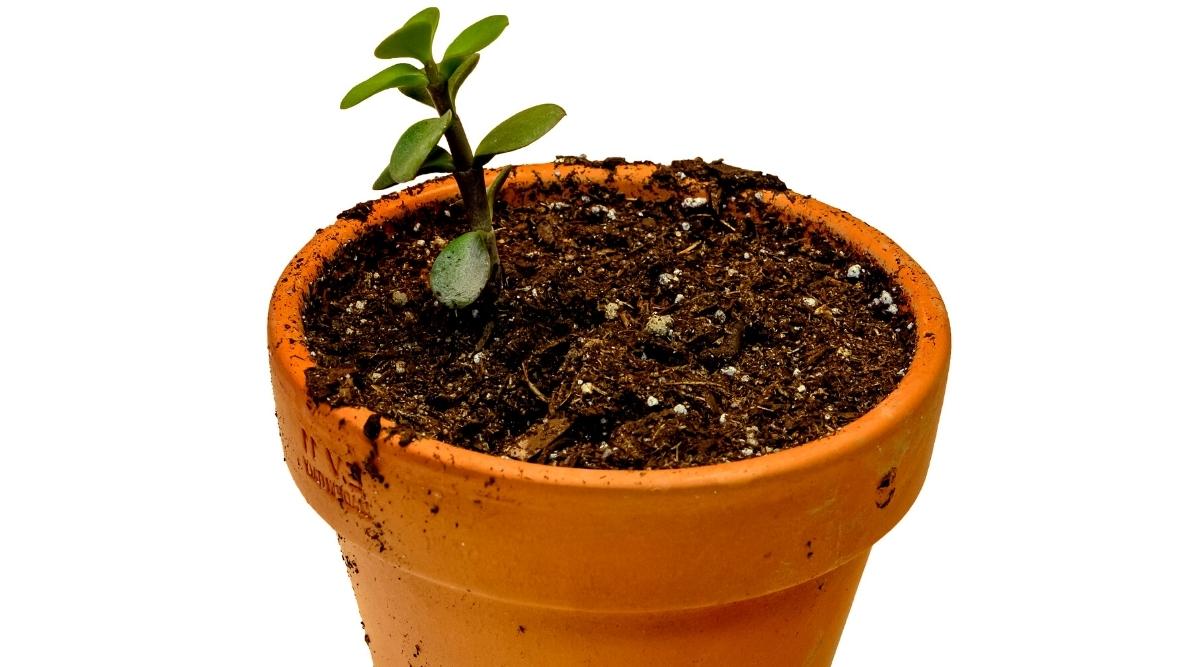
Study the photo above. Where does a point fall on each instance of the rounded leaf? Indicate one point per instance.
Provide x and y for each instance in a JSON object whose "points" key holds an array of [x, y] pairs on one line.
{"points": [[462, 270], [460, 74], [414, 146], [384, 181], [449, 66], [402, 75], [493, 188], [439, 161], [414, 39], [420, 94], [522, 129], [476, 36]]}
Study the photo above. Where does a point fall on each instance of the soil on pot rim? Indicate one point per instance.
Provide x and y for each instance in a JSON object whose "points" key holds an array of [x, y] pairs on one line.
{"points": [[628, 334]]}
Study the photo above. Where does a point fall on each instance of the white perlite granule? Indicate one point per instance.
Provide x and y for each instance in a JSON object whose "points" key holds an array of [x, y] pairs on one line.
{"points": [[885, 299], [659, 325], [603, 210]]}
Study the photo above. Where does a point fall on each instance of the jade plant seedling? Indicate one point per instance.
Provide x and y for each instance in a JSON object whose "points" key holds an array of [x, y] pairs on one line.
{"points": [[466, 264]]}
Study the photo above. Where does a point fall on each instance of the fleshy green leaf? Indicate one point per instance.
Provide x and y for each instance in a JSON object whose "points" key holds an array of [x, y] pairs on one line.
{"points": [[449, 66], [385, 180], [420, 94], [460, 74], [414, 39], [438, 161], [461, 271], [522, 129], [414, 146], [476, 36], [497, 183], [402, 75]]}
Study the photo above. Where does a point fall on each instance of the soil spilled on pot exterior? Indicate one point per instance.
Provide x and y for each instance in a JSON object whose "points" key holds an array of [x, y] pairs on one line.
{"points": [[628, 334]]}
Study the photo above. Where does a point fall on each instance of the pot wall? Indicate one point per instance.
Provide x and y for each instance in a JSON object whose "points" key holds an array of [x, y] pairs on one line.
{"points": [[457, 551], [797, 626]]}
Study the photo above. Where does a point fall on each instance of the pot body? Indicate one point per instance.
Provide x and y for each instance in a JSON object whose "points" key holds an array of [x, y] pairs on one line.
{"points": [[459, 558]]}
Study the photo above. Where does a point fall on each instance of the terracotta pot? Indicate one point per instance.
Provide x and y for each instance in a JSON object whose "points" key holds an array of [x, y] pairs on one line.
{"points": [[460, 558]]}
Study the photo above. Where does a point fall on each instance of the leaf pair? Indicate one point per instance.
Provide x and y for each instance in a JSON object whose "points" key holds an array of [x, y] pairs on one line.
{"points": [[415, 39], [453, 83], [417, 153]]}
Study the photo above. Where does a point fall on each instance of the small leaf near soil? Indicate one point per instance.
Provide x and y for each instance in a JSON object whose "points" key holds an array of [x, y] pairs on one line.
{"points": [[462, 270], [498, 182], [385, 180], [520, 130], [414, 146], [438, 161]]}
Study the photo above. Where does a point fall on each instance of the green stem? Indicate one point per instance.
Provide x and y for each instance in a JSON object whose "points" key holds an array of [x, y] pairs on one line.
{"points": [[469, 179]]}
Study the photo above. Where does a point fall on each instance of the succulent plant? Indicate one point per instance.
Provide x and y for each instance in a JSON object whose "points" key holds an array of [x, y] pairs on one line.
{"points": [[466, 264]]}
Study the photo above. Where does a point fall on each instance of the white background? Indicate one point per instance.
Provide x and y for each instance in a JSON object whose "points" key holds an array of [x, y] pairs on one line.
{"points": [[160, 163]]}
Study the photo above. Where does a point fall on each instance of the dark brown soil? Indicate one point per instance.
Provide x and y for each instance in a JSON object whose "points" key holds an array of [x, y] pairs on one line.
{"points": [[628, 334]]}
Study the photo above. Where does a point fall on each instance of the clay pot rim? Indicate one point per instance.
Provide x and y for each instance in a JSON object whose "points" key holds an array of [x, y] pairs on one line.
{"points": [[930, 359]]}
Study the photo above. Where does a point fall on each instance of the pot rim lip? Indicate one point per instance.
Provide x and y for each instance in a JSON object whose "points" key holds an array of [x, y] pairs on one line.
{"points": [[924, 375]]}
